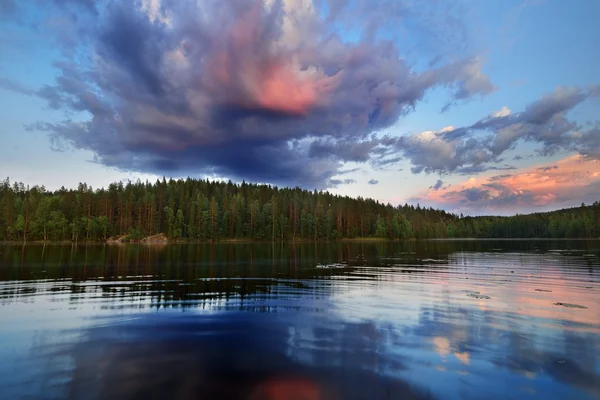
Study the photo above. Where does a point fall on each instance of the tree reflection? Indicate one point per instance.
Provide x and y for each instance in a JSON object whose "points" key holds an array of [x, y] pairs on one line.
{"points": [[333, 321]]}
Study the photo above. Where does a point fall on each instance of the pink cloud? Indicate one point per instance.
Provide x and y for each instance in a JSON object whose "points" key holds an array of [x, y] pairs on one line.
{"points": [[566, 183], [242, 72]]}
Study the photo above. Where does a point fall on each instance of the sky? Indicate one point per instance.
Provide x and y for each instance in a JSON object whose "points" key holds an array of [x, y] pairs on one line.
{"points": [[473, 107]]}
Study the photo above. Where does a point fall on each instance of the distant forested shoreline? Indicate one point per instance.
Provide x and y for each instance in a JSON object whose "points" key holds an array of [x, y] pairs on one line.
{"points": [[203, 210]]}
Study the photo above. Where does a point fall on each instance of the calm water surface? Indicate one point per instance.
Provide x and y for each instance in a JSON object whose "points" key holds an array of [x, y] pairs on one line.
{"points": [[446, 320]]}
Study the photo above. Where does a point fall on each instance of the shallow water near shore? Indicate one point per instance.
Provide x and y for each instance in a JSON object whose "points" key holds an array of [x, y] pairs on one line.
{"points": [[376, 320]]}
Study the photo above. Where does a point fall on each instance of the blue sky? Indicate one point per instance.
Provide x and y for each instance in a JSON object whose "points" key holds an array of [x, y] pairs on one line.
{"points": [[104, 91]]}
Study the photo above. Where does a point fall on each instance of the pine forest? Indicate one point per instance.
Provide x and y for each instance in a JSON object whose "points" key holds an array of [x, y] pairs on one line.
{"points": [[203, 210]]}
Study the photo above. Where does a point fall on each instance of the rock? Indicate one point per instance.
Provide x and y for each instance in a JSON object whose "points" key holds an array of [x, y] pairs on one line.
{"points": [[116, 239], [155, 239], [569, 305]]}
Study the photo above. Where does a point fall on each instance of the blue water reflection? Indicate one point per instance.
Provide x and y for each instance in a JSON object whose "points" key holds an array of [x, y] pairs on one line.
{"points": [[451, 321]]}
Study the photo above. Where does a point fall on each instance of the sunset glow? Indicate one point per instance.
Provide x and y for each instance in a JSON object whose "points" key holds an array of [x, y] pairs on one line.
{"points": [[538, 186]]}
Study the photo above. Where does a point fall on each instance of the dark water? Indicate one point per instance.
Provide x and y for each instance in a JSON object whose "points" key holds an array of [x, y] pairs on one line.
{"points": [[305, 321]]}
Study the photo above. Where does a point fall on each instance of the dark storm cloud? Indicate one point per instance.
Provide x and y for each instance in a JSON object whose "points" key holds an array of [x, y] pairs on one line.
{"points": [[257, 90]]}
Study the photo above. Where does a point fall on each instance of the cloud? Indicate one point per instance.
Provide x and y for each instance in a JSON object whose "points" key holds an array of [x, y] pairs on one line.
{"points": [[471, 80], [503, 112], [442, 152], [587, 142], [373, 181], [479, 147], [438, 185], [261, 90], [543, 121], [345, 150], [572, 180], [336, 182], [520, 157], [7, 84]]}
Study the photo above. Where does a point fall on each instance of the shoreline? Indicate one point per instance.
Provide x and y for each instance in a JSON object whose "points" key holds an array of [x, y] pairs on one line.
{"points": [[287, 241]]}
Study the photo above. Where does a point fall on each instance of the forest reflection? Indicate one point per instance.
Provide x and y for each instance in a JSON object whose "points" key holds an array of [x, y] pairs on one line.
{"points": [[345, 320], [191, 274]]}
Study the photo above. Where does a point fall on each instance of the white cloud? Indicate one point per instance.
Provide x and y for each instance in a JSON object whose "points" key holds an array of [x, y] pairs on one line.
{"points": [[153, 10], [503, 112]]}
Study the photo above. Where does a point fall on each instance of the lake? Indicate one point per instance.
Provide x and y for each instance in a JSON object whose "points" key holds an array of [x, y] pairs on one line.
{"points": [[417, 320]]}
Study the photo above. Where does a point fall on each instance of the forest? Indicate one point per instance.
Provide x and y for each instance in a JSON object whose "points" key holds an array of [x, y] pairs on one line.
{"points": [[203, 210]]}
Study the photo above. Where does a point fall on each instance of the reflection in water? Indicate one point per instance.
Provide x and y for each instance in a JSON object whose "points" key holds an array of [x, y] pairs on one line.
{"points": [[325, 321], [225, 356]]}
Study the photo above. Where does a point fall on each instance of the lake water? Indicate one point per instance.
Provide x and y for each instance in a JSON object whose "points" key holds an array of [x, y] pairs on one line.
{"points": [[436, 319]]}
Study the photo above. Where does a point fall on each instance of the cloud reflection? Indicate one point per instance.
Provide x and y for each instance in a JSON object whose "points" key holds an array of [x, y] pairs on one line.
{"points": [[391, 320]]}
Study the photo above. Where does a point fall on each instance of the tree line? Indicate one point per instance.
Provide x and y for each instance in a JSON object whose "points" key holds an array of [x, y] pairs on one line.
{"points": [[204, 210]]}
